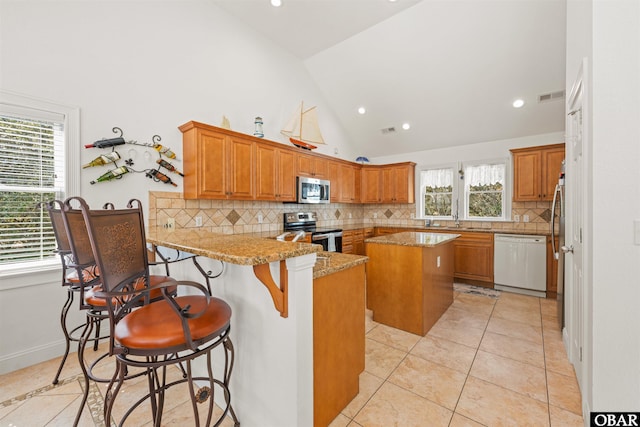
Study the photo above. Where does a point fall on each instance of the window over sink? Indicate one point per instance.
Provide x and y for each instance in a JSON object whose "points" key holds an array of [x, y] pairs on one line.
{"points": [[475, 190]]}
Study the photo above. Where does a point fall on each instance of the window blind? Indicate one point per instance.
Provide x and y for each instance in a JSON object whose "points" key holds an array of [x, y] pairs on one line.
{"points": [[31, 171]]}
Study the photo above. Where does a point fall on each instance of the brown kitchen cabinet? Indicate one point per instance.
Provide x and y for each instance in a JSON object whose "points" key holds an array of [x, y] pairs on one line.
{"points": [[371, 181], [217, 165], [349, 175], [338, 341], [347, 241], [275, 174], [353, 241], [333, 169], [312, 166], [358, 242], [535, 172], [392, 183], [473, 258], [409, 286], [398, 183]]}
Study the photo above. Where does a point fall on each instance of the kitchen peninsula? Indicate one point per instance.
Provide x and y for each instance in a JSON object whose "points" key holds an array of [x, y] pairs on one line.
{"points": [[273, 329], [410, 279]]}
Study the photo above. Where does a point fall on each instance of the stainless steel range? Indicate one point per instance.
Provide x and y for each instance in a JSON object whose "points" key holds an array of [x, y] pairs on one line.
{"points": [[329, 237]]}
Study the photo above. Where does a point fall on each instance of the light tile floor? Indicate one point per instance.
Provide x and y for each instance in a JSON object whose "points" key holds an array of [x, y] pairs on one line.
{"points": [[488, 361]]}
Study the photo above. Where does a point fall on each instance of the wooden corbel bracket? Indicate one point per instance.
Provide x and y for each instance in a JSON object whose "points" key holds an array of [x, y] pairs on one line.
{"points": [[279, 294]]}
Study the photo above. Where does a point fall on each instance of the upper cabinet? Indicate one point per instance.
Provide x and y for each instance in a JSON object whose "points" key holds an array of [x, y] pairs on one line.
{"points": [[217, 165], [371, 181], [333, 169], [224, 164], [347, 180], [398, 183], [312, 166], [535, 172], [275, 173], [393, 183]]}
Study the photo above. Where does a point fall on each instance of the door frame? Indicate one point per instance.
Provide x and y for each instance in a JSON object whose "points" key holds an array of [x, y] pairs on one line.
{"points": [[579, 304]]}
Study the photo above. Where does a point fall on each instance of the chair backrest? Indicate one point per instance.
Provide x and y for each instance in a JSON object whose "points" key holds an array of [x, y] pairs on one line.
{"points": [[77, 235], [118, 242], [54, 209]]}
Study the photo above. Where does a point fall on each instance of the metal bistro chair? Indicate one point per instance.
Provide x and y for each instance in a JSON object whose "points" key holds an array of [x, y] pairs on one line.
{"points": [[153, 336], [77, 237], [73, 279]]}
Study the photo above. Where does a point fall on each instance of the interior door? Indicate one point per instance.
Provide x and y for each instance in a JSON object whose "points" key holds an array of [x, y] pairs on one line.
{"points": [[577, 298]]}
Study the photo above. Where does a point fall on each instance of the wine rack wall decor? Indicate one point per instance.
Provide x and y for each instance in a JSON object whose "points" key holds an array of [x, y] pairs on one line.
{"points": [[112, 158]]}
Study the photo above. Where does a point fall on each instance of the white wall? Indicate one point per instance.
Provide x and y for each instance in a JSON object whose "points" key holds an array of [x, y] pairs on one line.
{"points": [[616, 204], [481, 151], [146, 67]]}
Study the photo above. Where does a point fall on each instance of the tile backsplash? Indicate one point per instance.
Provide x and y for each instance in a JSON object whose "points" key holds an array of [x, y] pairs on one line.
{"points": [[233, 216]]}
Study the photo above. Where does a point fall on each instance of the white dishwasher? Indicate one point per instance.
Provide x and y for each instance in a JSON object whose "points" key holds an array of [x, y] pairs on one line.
{"points": [[520, 264]]}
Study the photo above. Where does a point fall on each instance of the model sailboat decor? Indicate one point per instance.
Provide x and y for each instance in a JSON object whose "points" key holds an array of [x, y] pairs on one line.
{"points": [[303, 130]]}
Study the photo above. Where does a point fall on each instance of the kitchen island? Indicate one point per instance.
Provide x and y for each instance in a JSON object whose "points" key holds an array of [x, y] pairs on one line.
{"points": [[272, 325], [410, 279]]}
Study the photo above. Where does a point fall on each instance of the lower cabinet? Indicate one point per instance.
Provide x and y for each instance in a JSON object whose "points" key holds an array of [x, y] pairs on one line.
{"points": [[353, 241], [338, 341], [473, 258]]}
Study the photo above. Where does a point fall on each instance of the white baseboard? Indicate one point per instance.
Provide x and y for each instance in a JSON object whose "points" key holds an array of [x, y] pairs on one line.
{"points": [[14, 361]]}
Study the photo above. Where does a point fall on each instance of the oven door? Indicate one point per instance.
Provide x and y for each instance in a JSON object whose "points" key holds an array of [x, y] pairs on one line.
{"points": [[331, 242]]}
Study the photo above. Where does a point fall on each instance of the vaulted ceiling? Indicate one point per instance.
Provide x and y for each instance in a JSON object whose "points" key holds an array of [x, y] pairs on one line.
{"points": [[449, 68]]}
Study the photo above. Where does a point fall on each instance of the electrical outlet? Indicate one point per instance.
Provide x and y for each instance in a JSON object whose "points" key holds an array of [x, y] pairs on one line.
{"points": [[438, 262], [350, 216], [516, 218], [198, 221], [375, 215], [525, 218], [171, 223], [260, 218], [413, 215]]}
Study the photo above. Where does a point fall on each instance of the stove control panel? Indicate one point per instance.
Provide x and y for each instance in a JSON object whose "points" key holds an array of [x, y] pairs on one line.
{"points": [[293, 217]]}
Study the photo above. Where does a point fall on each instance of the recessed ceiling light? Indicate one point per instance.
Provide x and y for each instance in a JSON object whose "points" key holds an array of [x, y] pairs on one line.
{"points": [[406, 126], [518, 103], [276, 3], [362, 110]]}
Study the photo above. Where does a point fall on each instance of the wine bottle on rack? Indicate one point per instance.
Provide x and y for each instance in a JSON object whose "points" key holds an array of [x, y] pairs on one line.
{"points": [[168, 166], [159, 176], [165, 150], [103, 159], [106, 143], [112, 174]]}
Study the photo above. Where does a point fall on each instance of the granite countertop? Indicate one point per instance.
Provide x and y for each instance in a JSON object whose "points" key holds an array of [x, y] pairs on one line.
{"points": [[238, 249], [409, 238], [332, 262], [486, 230]]}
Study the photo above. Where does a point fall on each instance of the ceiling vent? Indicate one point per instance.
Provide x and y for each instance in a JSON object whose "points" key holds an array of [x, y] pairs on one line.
{"points": [[388, 130], [552, 96]]}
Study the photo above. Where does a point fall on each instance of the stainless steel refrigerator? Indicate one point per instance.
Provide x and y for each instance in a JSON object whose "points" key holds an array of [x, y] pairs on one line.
{"points": [[558, 228]]}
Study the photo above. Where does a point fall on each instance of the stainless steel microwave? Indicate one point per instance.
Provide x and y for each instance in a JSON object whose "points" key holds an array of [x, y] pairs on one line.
{"points": [[311, 190]]}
